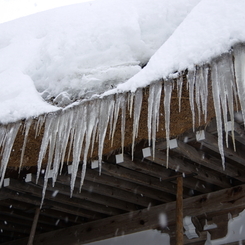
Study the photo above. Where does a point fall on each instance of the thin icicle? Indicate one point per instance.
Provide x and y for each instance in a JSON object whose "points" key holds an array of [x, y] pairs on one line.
{"points": [[217, 106], [191, 80], [44, 144], [179, 88], [239, 54], [67, 124], [90, 127], [27, 126], [153, 112], [39, 123], [120, 99], [80, 130], [137, 111], [123, 122], [7, 144], [131, 102], [106, 109], [168, 87]]}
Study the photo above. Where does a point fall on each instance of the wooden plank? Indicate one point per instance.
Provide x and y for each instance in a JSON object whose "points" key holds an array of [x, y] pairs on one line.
{"points": [[179, 211], [140, 179], [54, 205], [110, 191], [211, 142], [135, 188], [200, 158], [161, 172], [145, 219], [34, 226], [60, 198], [187, 168], [91, 197]]}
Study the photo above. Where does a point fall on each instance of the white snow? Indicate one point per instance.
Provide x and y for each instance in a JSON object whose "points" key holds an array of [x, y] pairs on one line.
{"points": [[211, 28], [76, 51]]}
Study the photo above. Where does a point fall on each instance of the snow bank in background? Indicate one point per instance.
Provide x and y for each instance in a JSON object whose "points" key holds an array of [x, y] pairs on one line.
{"points": [[147, 237], [211, 29], [72, 52]]}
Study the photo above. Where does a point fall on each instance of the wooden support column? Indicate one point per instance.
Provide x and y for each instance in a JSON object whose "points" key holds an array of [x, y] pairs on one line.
{"points": [[34, 226], [179, 211]]}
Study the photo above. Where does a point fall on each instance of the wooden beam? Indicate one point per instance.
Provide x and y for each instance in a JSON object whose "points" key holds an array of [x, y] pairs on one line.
{"points": [[135, 188], [110, 191], [140, 178], [211, 142], [34, 226], [187, 168], [54, 205], [155, 170], [200, 158], [226, 200], [90, 196], [73, 202], [179, 211]]}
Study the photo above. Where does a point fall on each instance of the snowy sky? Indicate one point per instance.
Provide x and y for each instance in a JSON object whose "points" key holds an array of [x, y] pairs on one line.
{"points": [[12, 9]]}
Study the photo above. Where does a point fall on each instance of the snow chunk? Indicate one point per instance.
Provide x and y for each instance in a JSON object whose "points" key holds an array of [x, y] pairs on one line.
{"points": [[19, 97]]}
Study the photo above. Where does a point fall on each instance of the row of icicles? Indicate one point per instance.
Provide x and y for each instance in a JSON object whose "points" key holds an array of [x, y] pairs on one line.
{"points": [[88, 122]]}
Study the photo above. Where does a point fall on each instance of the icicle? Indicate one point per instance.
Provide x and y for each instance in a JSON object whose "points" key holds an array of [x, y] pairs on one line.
{"points": [[120, 99], [91, 126], [80, 130], [123, 122], [39, 124], [106, 109], [44, 144], [7, 144], [239, 53], [217, 107], [179, 88], [66, 128], [131, 102], [168, 87], [204, 73], [150, 108], [137, 110], [153, 112], [191, 79], [27, 128]]}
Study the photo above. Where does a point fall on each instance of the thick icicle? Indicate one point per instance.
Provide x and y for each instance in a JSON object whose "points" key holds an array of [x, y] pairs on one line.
{"points": [[179, 88], [123, 122], [239, 54], [27, 126], [7, 144], [106, 109], [217, 106], [137, 111], [90, 127], [168, 87], [80, 130], [153, 112], [191, 80]]}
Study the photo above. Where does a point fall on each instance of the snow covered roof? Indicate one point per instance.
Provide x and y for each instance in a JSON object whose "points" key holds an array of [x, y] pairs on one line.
{"points": [[73, 52]]}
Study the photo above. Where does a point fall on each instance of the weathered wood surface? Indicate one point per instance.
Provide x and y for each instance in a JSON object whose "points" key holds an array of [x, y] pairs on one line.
{"points": [[225, 200], [203, 174], [211, 163], [179, 211]]}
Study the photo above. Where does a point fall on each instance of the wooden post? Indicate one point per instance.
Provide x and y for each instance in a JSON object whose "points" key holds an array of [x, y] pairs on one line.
{"points": [[34, 226], [179, 211]]}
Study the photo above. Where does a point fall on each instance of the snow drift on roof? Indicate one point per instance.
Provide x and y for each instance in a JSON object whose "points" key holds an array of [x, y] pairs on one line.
{"points": [[73, 52], [212, 28]]}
